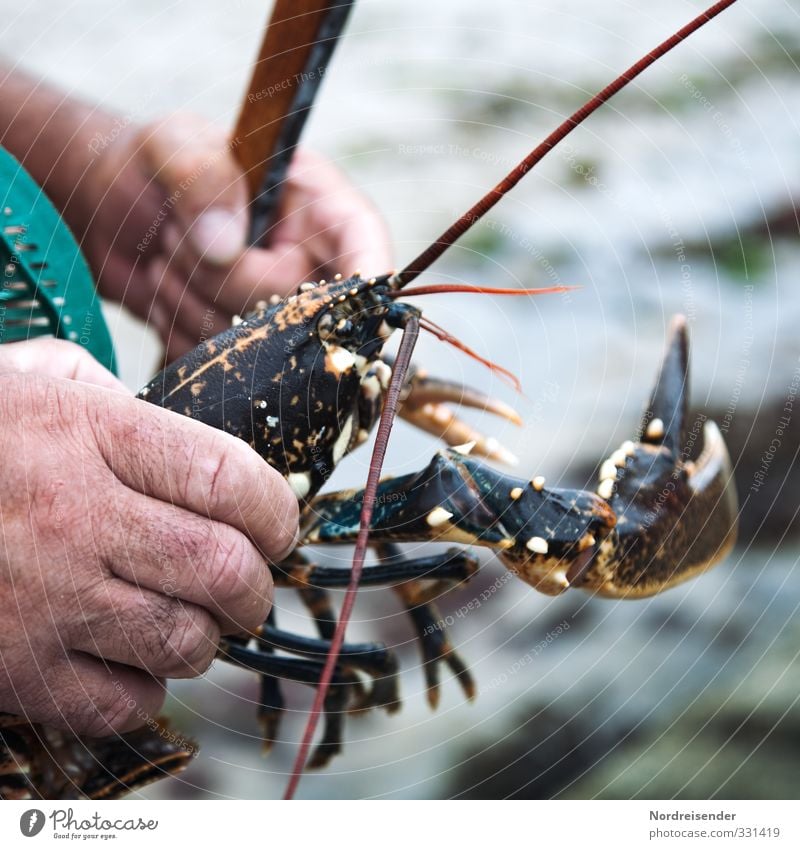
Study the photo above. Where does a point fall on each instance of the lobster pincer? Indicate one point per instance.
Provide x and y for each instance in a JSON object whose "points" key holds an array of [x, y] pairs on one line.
{"points": [[672, 492], [664, 509]]}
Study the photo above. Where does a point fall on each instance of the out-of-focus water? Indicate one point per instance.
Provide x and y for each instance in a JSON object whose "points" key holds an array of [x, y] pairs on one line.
{"points": [[673, 198]]}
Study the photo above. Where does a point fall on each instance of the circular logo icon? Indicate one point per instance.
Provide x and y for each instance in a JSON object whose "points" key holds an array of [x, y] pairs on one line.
{"points": [[31, 822]]}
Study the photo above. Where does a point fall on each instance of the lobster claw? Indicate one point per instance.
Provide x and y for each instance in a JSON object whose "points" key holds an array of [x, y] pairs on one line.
{"points": [[676, 516], [538, 532]]}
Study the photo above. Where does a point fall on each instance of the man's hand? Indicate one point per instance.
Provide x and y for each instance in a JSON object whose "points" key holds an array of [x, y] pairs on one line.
{"points": [[131, 539], [161, 211], [167, 228]]}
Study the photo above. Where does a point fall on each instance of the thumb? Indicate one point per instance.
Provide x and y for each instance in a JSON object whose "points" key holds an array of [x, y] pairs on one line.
{"points": [[57, 358], [206, 192]]}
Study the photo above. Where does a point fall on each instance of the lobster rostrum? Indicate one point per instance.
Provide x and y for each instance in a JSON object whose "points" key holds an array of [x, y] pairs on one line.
{"points": [[304, 381]]}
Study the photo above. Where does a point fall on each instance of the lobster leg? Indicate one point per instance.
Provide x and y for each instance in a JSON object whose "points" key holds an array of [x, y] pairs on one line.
{"points": [[270, 702], [425, 405], [454, 565], [372, 658], [304, 672], [318, 603], [417, 582], [417, 597]]}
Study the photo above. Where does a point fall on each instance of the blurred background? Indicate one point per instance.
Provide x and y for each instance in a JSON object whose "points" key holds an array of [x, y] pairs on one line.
{"points": [[679, 196]]}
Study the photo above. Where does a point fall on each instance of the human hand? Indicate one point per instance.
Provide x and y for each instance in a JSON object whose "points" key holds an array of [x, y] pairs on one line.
{"points": [[127, 544], [168, 226]]}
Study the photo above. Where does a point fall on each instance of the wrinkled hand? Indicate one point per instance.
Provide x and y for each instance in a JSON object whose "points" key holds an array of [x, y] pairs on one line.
{"points": [[132, 538], [168, 235]]}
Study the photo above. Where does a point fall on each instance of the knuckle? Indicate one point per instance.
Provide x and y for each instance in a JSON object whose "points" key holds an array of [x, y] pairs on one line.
{"points": [[215, 478], [240, 582], [231, 568], [187, 647], [192, 543], [271, 504], [108, 712], [177, 639]]}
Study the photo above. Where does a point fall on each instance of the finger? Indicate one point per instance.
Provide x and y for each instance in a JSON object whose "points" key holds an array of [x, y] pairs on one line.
{"points": [[58, 358], [145, 630], [176, 342], [256, 275], [348, 233], [86, 696], [185, 311], [193, 161], [179, 554], [183, 462]]}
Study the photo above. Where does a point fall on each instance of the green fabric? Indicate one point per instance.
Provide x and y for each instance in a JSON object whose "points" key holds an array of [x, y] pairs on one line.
{"points": [[47, 286]]}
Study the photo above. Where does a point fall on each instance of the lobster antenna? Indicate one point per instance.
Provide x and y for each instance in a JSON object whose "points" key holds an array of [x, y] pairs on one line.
{"points": [[466, 288], [388, 415], [443, 336], [476, 212]]}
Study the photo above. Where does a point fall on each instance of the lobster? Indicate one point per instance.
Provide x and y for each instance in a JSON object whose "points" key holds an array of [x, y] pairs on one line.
{"points": [[304, 381]]}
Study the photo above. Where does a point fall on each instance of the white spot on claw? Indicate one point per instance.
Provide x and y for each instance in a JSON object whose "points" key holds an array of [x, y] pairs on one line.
{"points": [[300, 483], [516, 493], [655, 430], [608, 471], [538, 545], [538, 483], [618, 458], [438, 516], [606, 488]]}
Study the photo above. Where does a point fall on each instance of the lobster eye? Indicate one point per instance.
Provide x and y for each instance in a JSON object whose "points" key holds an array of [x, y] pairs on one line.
{"points": [[344, 328]]}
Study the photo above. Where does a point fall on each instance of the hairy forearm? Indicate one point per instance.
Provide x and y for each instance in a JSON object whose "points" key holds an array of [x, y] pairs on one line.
{"points": [[52, 135]]}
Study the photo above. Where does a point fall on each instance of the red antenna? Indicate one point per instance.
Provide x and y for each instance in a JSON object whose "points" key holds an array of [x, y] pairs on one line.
{"points": [[476, 212], [410, 334]]}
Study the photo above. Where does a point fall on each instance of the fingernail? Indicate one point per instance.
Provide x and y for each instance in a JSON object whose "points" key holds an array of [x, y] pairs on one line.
{"points": [[218, 235]]}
